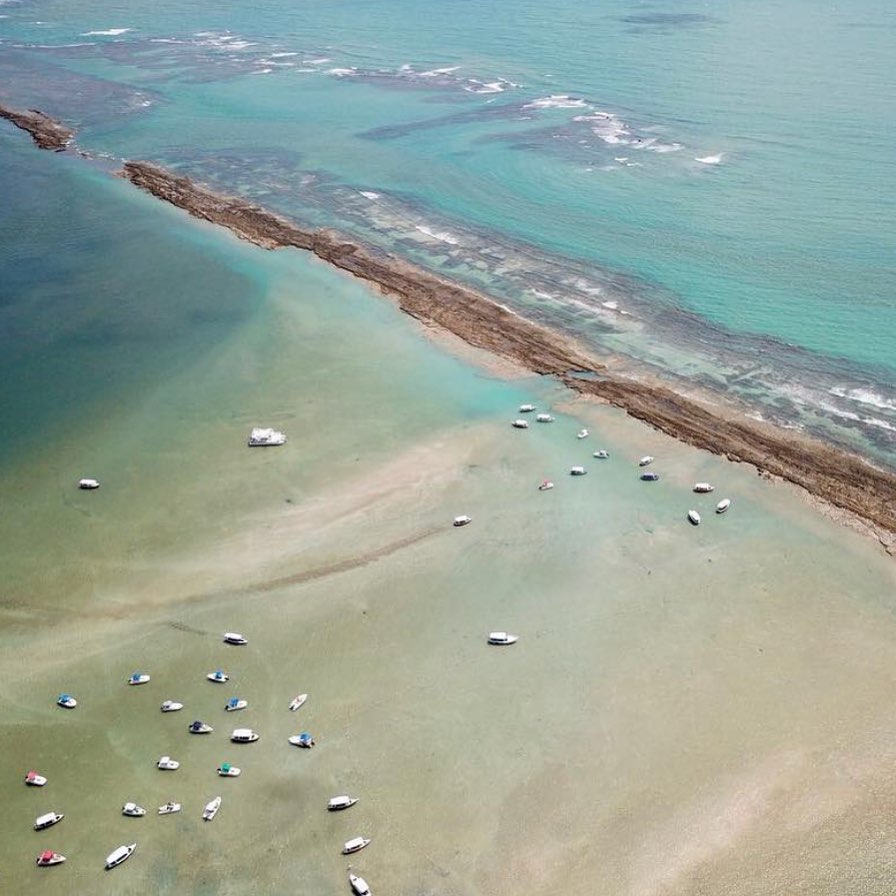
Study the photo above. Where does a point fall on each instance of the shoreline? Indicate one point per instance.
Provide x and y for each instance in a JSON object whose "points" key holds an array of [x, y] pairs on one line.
{"points": [[833, 475]]}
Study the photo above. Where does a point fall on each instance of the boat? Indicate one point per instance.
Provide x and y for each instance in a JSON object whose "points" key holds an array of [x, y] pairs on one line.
{"points": [[49, 858], [602, 454], [336, 803], [167, 764], [693, 518], [650, 477], [703, 488], [198, 727], [66, 701], [647, 459], [234, 704], [355, 845], [226, 770], [527, 408], [211, 809], [502, 638], [138, 678], [33, 779], [169, 808], [88, 484], [243, 736], [297, 702], [544, 418], [520, 424], [723, 505], [172, 706], [546, 485], [47, 821], [218, 676], [133, 810], [261, 437], [577, 471], [302, 740], [462, 520], [234, 638], [117, 856], [359, 885], [582, 434]]}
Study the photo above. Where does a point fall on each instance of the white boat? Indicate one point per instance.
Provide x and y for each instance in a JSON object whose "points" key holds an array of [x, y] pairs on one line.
{"points": [[88, 484], [261, 437], [462, 520], [577, 471], [234, 704], [546, 485], [355, 845], [33, 779], [49, 858], [582, 434], [167, 764], [234, 638], [219, 676], [169, 808], [693, 518], [47, 821], [243, 736], [359, 885], [602, 454], [211, 809], [198, 727], [647, 459], [723, 505], [544, 418], [172, 706], [703, 488], [226, 770], [527, 408], [302, 740], [502, 638], [520, 424], [138, 678], [116, 857], [66, 701], [297, 702], [341, 802], [133, 810]]}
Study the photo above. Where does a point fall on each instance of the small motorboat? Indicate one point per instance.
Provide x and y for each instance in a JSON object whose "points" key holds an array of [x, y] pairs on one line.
{"points": [[462, 520], [198, 727], [577, 471], [502, 638], [138, 678], [520, 424], [723, 505], [544, 418], [297, 702], [602, 454], [172, 706], [226, 770], [650, 477], [243, 736], [66, 701], [219, 676], [262, 437], [527, 408], [49, 858], [302, 740], [117, 856], [133, 810], [582, 434], [341, 802], [33, 779], [47, 821], [693, 518], [169, 808], [355, 845], [234, 704], [703, 488], [88, 484], [234, 638], [546, 485], [647, 459], [359, 885], [167, 764], [211, 809]]}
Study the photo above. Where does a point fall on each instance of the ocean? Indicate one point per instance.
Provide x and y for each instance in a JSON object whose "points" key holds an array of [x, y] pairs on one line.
{"points": [[702, 193]]}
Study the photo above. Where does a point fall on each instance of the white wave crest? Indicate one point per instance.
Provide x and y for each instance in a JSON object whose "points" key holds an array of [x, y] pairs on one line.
{"points": [[864, 396], [710, 160], [369, 194], [556, 101], [109, 32], [443, 237]]}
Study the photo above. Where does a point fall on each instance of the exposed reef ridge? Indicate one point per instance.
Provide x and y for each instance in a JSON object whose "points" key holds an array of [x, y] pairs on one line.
{"points": [[46, 132]]}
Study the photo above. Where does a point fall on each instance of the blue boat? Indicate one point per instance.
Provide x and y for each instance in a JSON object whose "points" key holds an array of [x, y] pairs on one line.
{"points": [[302, 740], [650, 477], [66, 701]]}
